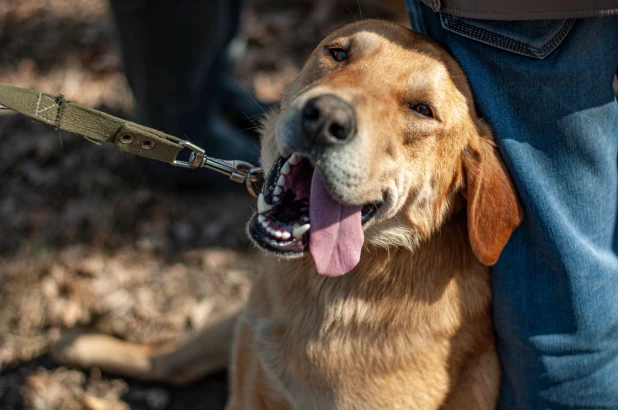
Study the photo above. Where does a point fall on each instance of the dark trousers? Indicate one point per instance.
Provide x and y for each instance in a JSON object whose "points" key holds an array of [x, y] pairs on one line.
{"points": [[175, 59]]}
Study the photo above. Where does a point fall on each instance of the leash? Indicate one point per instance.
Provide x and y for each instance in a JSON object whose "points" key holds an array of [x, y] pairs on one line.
{"points": [[98, 127]]}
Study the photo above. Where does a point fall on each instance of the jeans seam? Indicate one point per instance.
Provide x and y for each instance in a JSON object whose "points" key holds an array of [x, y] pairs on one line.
{"points": [[548, 13], [505, 42]]}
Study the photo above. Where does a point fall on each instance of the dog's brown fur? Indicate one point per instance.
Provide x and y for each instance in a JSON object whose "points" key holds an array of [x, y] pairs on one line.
{"points": [[410, 326]]}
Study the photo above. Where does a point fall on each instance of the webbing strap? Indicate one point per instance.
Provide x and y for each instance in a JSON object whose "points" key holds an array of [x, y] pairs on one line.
{"points": [[94, 125]]}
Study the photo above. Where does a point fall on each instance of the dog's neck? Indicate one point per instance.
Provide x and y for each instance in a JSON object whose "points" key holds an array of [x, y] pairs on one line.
{"points": [[397, 310], [390, 283]]}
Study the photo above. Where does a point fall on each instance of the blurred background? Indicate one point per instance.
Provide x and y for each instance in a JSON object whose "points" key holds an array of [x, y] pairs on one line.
{"points": [[88, 239]]}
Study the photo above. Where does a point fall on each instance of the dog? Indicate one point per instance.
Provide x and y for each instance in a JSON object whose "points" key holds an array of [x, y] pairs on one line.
{"points": [[386, 201]]}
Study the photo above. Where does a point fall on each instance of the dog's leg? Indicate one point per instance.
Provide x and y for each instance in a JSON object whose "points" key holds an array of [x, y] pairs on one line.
{"points": [[478, 385], [177, 363], [250, 387]]}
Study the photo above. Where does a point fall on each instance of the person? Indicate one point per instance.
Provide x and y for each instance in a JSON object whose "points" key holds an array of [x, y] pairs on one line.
{"points": [[542, 72], [178, 66]]}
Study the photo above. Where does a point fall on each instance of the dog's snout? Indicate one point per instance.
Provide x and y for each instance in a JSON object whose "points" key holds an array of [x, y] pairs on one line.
{"points": [[328, 120]]}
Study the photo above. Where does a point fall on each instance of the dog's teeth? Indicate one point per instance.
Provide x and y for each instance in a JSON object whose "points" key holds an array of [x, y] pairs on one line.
{"points": [[278, 234], [270, 230], [261, 218], [275, 199], [299, 230], [305, 218], [278, 190], [281, 181], [293, 159], [285, 235], [262, 205], [285, 169]]}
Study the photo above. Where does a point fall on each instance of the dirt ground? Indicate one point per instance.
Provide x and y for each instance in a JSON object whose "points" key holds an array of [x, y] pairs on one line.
{"points": [[87, 239]]}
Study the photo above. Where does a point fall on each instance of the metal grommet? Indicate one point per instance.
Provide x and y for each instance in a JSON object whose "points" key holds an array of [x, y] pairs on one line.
{"points": [[126, 139], [148, 144]]}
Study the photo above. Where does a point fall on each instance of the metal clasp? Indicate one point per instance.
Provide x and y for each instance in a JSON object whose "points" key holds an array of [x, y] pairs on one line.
{"points": [[196, 157], [238, 171]]}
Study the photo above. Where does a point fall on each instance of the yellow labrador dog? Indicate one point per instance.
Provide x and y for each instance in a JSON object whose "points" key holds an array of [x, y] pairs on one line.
{"points": [[385, 203]]}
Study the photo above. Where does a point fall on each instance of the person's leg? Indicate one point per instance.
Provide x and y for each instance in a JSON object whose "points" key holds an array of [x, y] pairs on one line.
{"points": [[237, 104], [174, 58], [556, 122]]}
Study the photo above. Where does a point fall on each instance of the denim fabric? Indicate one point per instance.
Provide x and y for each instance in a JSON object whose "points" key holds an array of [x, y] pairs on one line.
{"points": [[555, 118], [532, 38]]}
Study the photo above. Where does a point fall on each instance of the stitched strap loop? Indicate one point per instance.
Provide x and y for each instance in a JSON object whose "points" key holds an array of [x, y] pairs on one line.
{"points": [[94, 125]]}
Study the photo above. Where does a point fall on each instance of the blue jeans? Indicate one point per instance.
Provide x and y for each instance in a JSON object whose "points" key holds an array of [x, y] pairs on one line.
{"points": [[545, 87]]}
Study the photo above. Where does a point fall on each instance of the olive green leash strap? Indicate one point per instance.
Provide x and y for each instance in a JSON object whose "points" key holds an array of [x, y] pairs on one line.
{"points": [[94, 125], [126, 136]]}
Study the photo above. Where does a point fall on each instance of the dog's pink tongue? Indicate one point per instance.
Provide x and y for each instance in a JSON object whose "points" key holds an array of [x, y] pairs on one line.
{"points": [[336, 235]]}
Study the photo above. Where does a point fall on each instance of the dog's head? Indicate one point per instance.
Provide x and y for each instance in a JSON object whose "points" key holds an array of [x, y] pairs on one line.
{"points": [[378, 142]]}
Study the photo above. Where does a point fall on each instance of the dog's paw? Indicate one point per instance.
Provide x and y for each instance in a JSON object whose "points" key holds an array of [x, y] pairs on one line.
{"points": [[79, 348]]}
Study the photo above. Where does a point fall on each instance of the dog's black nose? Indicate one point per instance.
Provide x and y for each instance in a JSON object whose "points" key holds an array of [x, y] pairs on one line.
{"points": [[328, 120]]}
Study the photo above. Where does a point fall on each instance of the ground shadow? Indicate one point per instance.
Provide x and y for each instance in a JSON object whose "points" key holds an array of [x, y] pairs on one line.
{"points": [[209, 393]]}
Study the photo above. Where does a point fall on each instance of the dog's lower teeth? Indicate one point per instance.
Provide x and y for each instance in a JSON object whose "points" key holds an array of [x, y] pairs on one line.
{"points": [[285, 218], [299, 230]]}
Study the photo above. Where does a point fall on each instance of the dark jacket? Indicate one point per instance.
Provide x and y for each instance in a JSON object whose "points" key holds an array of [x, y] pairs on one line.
{"points": [[525, 9]]}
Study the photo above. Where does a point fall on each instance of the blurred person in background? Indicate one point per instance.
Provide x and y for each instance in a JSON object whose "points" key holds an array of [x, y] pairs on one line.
{"points": [[177, 61]]}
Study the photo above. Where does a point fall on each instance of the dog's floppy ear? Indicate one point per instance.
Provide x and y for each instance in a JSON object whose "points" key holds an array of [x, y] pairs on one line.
{"points": [[493, 208]]}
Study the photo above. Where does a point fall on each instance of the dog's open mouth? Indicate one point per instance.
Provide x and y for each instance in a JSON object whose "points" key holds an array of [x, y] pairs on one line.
{"points": [[296, 212]]}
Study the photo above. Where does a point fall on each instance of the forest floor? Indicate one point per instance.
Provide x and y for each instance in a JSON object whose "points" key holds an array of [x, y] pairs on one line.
{"points": [[87, 239]]}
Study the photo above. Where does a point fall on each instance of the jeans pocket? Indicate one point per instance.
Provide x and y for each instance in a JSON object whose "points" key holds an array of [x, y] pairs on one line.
{"points": [[532, 38]]}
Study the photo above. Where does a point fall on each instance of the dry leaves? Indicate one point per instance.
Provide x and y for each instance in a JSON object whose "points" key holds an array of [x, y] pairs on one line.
{"points": [[87, 239]]}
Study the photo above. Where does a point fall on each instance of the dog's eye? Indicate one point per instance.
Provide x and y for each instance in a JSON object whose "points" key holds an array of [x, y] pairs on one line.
{"points": [[338, 54], [423, 110]]}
